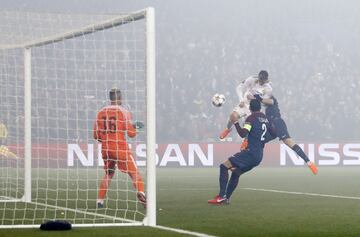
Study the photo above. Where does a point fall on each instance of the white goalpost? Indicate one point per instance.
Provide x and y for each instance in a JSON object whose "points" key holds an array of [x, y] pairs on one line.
{"points": [[56, 71]]}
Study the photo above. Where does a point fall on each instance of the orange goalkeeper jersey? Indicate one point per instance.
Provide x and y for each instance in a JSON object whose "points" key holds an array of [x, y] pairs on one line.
{"points": [[112, 123]]}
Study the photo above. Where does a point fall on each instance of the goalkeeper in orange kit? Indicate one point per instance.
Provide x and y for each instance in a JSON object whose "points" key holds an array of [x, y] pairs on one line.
{"points": [[113, 123]]}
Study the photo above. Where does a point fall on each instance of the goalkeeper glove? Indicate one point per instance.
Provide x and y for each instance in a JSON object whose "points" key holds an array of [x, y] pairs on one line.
{"points": [[138, 124]]}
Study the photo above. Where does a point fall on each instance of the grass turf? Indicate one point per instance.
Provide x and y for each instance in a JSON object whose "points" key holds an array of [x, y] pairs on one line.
{"points": [[182, 196]]}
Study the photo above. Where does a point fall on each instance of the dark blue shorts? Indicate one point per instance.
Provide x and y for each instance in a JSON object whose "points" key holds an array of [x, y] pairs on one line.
{"points": [[244, 161], [281, 129]]}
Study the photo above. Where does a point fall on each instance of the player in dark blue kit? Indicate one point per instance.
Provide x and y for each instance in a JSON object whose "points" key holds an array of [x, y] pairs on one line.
{"points": [[257, 129], [272, 111]]}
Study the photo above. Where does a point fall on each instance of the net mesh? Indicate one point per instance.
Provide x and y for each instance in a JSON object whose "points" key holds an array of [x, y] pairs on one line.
{"points": [[70, 83]]}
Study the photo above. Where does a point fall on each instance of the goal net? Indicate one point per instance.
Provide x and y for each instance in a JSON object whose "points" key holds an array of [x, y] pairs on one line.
{"points": [[56, 71]]}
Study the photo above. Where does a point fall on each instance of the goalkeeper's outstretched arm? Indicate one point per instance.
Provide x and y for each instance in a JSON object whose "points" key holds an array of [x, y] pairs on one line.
{"points": [[96, 131], [3, 133], [131, 131], [5, 152]]}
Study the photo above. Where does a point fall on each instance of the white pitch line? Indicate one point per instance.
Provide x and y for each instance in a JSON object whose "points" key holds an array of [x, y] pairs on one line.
{"points": [[85, 212], [9, 199], [181, 231], [302, 193], [187, 189], [192, 233]]}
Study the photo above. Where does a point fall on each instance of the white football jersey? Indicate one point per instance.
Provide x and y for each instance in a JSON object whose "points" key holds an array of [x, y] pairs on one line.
{"points": [[252, 86]]}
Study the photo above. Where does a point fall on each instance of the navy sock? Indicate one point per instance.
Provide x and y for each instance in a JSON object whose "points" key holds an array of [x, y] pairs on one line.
{"points": [[234, 180], [223, 179], [300, 152]]}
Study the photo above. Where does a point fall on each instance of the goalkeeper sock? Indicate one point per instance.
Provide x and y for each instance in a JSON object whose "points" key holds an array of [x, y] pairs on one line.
{"points": [[137, 181], [223, 179], [300, 152], [234, 180], [104, 185]]}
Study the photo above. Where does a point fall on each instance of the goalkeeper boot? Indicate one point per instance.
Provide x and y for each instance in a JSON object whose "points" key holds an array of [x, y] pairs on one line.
{"points": [[312, 167], [218, 200], [142, 198], [224, 133], [100, 205]]}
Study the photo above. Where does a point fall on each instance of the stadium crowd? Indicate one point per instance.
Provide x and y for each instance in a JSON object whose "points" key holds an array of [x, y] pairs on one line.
{"points": [[312, 61], [313, 72]]}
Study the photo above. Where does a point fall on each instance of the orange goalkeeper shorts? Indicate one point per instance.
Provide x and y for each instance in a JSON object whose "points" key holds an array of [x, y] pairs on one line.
{"points": [[124, 160]]}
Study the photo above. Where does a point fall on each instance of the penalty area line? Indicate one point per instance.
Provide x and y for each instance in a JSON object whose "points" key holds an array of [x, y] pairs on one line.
{"points": [[181, 231], [302, 193]]}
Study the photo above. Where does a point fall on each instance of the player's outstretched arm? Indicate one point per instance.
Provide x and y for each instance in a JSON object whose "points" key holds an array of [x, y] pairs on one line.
{"points": [[266, 101], [96, 132], [240, 91], [131, 131], [243, 87], [243, 132], [129, 127]]}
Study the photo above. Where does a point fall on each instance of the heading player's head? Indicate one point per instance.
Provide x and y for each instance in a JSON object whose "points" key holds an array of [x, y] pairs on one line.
{"points": [[255, 105], [263, 77], [115, 96]]}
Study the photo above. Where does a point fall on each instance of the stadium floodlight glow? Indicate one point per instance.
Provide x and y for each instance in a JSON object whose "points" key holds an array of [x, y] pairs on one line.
{"points": [[55, 73]]}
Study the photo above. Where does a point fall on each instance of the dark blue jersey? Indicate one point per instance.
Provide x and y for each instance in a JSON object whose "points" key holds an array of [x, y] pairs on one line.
{"points": [[278, 124], [273, 111], [259, 132]]}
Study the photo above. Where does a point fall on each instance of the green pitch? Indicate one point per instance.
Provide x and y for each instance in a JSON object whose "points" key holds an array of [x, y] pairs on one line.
{"points": [[182, 196]]}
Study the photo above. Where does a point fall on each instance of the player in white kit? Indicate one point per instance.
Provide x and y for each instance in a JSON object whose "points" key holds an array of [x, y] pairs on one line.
{"points": [[253, 85]]}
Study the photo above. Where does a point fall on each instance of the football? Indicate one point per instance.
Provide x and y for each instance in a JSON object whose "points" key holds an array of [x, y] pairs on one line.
{"points": [[218, 100]]}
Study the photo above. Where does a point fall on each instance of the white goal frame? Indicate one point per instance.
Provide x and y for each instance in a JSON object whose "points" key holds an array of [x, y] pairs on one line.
{"points": [[149, 15]]}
